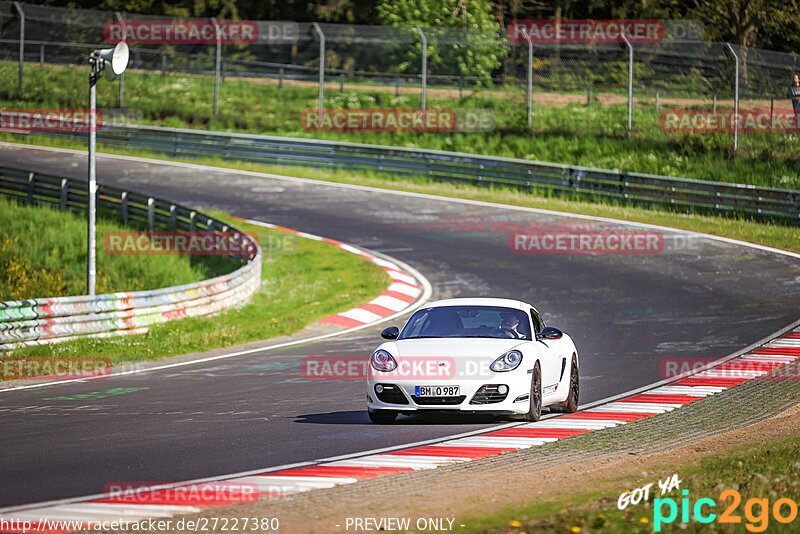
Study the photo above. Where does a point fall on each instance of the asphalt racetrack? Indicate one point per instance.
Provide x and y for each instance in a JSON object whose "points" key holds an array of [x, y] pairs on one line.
{"points": [[627, 313]]}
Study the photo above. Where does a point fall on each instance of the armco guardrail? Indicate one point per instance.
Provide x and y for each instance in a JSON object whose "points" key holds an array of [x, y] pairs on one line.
{"points": [[640, 188], [44, 320]]}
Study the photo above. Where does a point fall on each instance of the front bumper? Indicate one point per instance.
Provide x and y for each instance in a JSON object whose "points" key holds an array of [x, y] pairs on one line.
{"points": [[474, 396]]}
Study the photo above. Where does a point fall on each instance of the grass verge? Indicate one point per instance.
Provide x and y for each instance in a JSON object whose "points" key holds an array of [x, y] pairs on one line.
{"points": [[43, 254], [302, 281], [755, 471]]}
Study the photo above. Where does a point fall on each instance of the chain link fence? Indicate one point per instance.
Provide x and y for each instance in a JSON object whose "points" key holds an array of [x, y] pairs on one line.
{"points": [[611, 89]]}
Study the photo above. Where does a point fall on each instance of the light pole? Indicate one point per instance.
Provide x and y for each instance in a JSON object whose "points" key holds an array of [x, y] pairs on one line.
{"points": [[113, 62]]}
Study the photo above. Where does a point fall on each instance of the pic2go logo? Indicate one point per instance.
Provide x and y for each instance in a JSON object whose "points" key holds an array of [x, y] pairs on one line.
{"points": [[756, 511]]}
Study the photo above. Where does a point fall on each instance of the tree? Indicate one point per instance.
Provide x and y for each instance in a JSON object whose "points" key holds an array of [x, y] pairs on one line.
{"points": [[472, 53]]}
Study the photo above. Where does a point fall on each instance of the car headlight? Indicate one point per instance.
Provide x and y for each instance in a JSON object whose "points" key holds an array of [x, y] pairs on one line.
{"points": [[382, 361], [507, 362]]}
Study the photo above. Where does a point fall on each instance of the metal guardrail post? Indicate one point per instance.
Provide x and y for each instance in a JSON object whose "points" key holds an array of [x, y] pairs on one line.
{"points": [[424, 66], [124, 207], [192, 221], [217, 65], [630, 83], [736, 100], [320, 104], [21, 14], [173, 217], [31, 177], [151, 214], [64, 194]]}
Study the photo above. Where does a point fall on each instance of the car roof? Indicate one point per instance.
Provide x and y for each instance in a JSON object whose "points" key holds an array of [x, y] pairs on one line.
{"points": [[480, 301]]}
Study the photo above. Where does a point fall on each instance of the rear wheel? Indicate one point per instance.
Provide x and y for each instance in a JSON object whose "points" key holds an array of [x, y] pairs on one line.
{"points": [[535, 410], [382, 417], [571, 404]]}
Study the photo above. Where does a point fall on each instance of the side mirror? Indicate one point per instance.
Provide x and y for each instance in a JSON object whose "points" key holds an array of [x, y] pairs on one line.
{"points": [[390, 333], [550, 333]]}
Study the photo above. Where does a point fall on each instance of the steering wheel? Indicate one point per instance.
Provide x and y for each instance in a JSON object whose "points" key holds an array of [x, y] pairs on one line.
{"points": [[508, 331]]}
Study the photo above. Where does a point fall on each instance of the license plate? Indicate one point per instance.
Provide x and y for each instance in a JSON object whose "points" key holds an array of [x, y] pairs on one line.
{"points": [[436, 391]]}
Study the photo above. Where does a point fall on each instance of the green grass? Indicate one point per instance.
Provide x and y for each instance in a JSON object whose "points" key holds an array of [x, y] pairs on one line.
{"points": [[755, 471], [43, 254], [302, 281], [592, 136]]}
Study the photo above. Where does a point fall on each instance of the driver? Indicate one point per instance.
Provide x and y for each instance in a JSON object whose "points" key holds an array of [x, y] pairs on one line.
{"points": [[508, 325]]}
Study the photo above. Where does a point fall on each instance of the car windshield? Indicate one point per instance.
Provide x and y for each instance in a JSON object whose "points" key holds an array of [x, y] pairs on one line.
{"points": [[468, 321]]}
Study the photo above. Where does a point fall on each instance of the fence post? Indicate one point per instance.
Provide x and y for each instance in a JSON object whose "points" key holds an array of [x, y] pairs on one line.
{"points": [[163, 65], [588, 95], [217, 65], [529, 91], [424, 66], [396, 87], [41, 55], [341, 82], [280, 78], [224, 67], [21, 14], [658, 100], [124, 202], [151, 214], [321, 66], [461, 88], [715, 103], [771, 109], [630, 83], [735, 100]]}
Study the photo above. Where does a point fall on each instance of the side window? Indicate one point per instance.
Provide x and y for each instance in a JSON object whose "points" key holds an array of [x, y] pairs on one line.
{"points": [[538, 324]]}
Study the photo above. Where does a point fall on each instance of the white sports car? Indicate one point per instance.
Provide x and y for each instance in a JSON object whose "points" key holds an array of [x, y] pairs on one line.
{"points": [[474, 355]]}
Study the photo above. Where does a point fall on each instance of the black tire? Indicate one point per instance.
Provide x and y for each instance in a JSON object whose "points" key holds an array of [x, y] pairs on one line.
{"points": [[535, 410], [571, 404], [382, 417]]}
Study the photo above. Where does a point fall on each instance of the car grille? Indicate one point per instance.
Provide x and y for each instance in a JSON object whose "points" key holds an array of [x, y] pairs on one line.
{"points": [[488, 394], [391, 394], [439, 401]]}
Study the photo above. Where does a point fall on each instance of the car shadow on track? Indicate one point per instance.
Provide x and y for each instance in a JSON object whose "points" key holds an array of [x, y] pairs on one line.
{"points": [[359, 417]]}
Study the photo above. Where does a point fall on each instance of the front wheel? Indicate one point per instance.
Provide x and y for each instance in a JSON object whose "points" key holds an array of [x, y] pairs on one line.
{"points": [[535, 410], [571, 404], [382, 417]]}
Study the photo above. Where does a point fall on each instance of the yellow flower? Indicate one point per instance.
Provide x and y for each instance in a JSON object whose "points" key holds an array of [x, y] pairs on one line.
{"points": [[515, 523], [575, 529], [644, 520]]}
